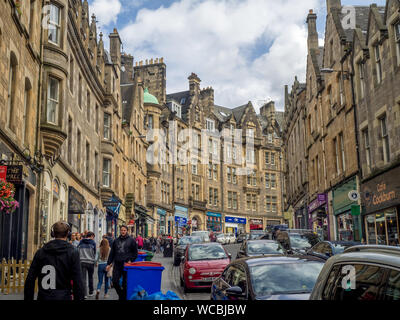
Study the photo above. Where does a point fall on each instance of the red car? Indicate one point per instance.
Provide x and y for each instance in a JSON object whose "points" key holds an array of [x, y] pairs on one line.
{"points": [[202, 264]]}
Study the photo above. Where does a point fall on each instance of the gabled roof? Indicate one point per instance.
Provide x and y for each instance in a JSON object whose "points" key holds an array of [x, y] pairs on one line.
{"points": [[222, 113], [238, 112], [379, 15]]}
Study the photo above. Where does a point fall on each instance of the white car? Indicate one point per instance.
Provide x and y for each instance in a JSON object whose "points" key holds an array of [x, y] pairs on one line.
{"points": [[221, 238], [231, 238], [204, 234]]}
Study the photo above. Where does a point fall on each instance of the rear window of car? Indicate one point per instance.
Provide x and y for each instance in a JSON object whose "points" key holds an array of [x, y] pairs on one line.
{"points": [[287, 278], [206, 252], [261, 247]]}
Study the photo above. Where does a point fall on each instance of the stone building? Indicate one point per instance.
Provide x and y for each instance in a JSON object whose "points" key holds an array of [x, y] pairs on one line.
{"points": [[296, 177], [19, 68], [376, 65]]}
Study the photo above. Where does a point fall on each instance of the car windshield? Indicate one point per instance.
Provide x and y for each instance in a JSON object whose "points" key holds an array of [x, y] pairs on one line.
{"points": [[204, 252], [300, 241], [261, 247], [189, 240], [288, 278]]}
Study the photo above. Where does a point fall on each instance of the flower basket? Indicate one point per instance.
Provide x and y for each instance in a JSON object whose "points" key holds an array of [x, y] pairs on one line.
{"points": [[7, 202]]}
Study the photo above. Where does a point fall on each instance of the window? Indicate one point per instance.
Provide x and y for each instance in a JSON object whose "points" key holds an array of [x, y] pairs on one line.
{"points": [[234, 200], [342, 151], [54, 24], [215, 172], [150, 122], [106, 172], [88, 105], [367, 147], [210, 125], [272, 158], [229, 199], [178, 109], [12, 79], [268, 203], [52, 100], [274, 204], [267, 158], [250, 156], [234, 177], [31, 18], [392, 290], [273, 180], [229, 175], [183, 100], [318, 170], [270, 137], [87, 162], [397, 39], [341, 90], [378, 64], [27, 108], [248, 201], [69, 140], [330, 101], [71, 74], [215, 197], [361, 74], [80, 92], [96, 169], [210, 170], [194, 168], [368, 283], [254, 202], [97, 119], [336, 155], [331, 52], [385, 140], [78, 151], [107, 126], [267, 181]]}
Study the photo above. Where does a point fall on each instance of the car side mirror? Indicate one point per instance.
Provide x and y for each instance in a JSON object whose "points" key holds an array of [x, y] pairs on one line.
{"points": [[234, 291]]}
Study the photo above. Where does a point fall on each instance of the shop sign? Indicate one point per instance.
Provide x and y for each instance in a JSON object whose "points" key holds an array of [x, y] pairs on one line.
{"points": [[3, 173], [180, 221], [76, 202], [235, 220], [382, 192], [341, 201], [14, 174], [213, 214], [321, 200]]}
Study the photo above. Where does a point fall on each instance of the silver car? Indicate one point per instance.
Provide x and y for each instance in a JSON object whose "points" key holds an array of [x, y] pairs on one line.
{"points": [[366, 272], [221, 238]]}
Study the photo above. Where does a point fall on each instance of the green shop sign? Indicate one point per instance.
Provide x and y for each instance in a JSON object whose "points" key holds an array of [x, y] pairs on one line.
{"points": [[341, 200]]}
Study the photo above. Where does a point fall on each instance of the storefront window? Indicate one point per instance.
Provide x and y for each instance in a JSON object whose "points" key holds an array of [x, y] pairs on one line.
{"points": [[345, 227], [380, 228], [370, 226], [392, 227]]}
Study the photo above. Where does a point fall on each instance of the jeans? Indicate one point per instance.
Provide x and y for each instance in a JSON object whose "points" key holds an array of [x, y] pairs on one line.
{"points": [[102, 274], [87, 269], [118, 271]]}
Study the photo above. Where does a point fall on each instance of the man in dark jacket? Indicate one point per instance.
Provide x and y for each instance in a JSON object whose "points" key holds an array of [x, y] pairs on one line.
{"points": [[87, 252], [56, 265], [124, 249]]}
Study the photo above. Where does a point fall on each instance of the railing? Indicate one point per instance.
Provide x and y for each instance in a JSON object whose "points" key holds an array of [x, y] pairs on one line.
{"points": [[13, 275]]}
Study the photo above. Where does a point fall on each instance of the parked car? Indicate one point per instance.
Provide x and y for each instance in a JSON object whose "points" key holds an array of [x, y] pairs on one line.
{"points": [[268, 278], [242, 237], [256, 235], [180, 247], [221, 238], [202, 264], [366, 272], [327, 249], [231, 238], [253, 248], [205, 235]]}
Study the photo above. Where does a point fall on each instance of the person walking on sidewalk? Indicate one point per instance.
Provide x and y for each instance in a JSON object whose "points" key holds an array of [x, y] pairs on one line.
{"points": [[102, 257], [87, 252], [57, 268], [124, 249], [139, 241]]}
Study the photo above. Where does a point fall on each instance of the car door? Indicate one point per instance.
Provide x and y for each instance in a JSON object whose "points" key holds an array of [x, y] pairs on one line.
{"points": [[238, 278], [221, 284]]}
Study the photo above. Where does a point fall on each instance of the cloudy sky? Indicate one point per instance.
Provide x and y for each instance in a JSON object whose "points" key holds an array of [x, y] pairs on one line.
{"points": [[245, 49]]}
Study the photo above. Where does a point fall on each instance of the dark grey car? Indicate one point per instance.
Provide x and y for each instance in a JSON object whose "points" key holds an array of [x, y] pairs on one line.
{"points": [[179, 249]]}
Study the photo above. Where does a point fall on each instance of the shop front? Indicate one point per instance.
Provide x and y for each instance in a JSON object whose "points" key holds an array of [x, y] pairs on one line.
{"points": [[112, 212], [256, 224], [301, 218], [214, 222], [76, 209], [318, 216], [381, 206], [142, 220], [161, 221], [348, 226], [180, 219], [235, 225]]}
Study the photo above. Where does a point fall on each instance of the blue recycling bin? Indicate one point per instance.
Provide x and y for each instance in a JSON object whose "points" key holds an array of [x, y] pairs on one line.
{"points": [[141, 257], [147, 275]]}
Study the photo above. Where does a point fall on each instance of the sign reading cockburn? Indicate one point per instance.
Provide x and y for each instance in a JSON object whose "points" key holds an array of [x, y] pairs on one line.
{"points": [[382, 192], [189, 146]]}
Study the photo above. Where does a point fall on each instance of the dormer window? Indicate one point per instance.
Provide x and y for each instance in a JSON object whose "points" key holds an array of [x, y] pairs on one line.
{"points": [[210, 125], [178, 109], [183, 100]]}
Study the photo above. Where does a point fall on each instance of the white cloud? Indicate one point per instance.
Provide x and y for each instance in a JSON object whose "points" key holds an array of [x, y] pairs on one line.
{"points": [[106, 11], [217, 39]]}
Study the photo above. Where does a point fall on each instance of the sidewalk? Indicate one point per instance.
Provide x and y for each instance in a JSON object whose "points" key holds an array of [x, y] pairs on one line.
{"points": [[167, 283]]}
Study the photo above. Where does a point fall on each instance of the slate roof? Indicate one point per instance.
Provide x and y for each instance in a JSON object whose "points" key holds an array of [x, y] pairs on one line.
{"points": [[178, 98], [127, 96], [239, 112]]}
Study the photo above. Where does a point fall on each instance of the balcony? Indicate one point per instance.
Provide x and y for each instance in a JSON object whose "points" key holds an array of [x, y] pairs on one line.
{"points": [[53, 138]]}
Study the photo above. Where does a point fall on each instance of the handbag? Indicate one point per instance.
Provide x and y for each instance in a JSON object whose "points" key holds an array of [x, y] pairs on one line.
{"points": [[110, 271]]}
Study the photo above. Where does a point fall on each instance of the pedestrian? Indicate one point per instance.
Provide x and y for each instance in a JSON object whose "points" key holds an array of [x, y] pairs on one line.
{"points": [[87, 252], [139, 241], [101, 260], [75, 242], [73, 238], [158, 245], [110, 239], [124, 249], [78, 237], [57, 267]]}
